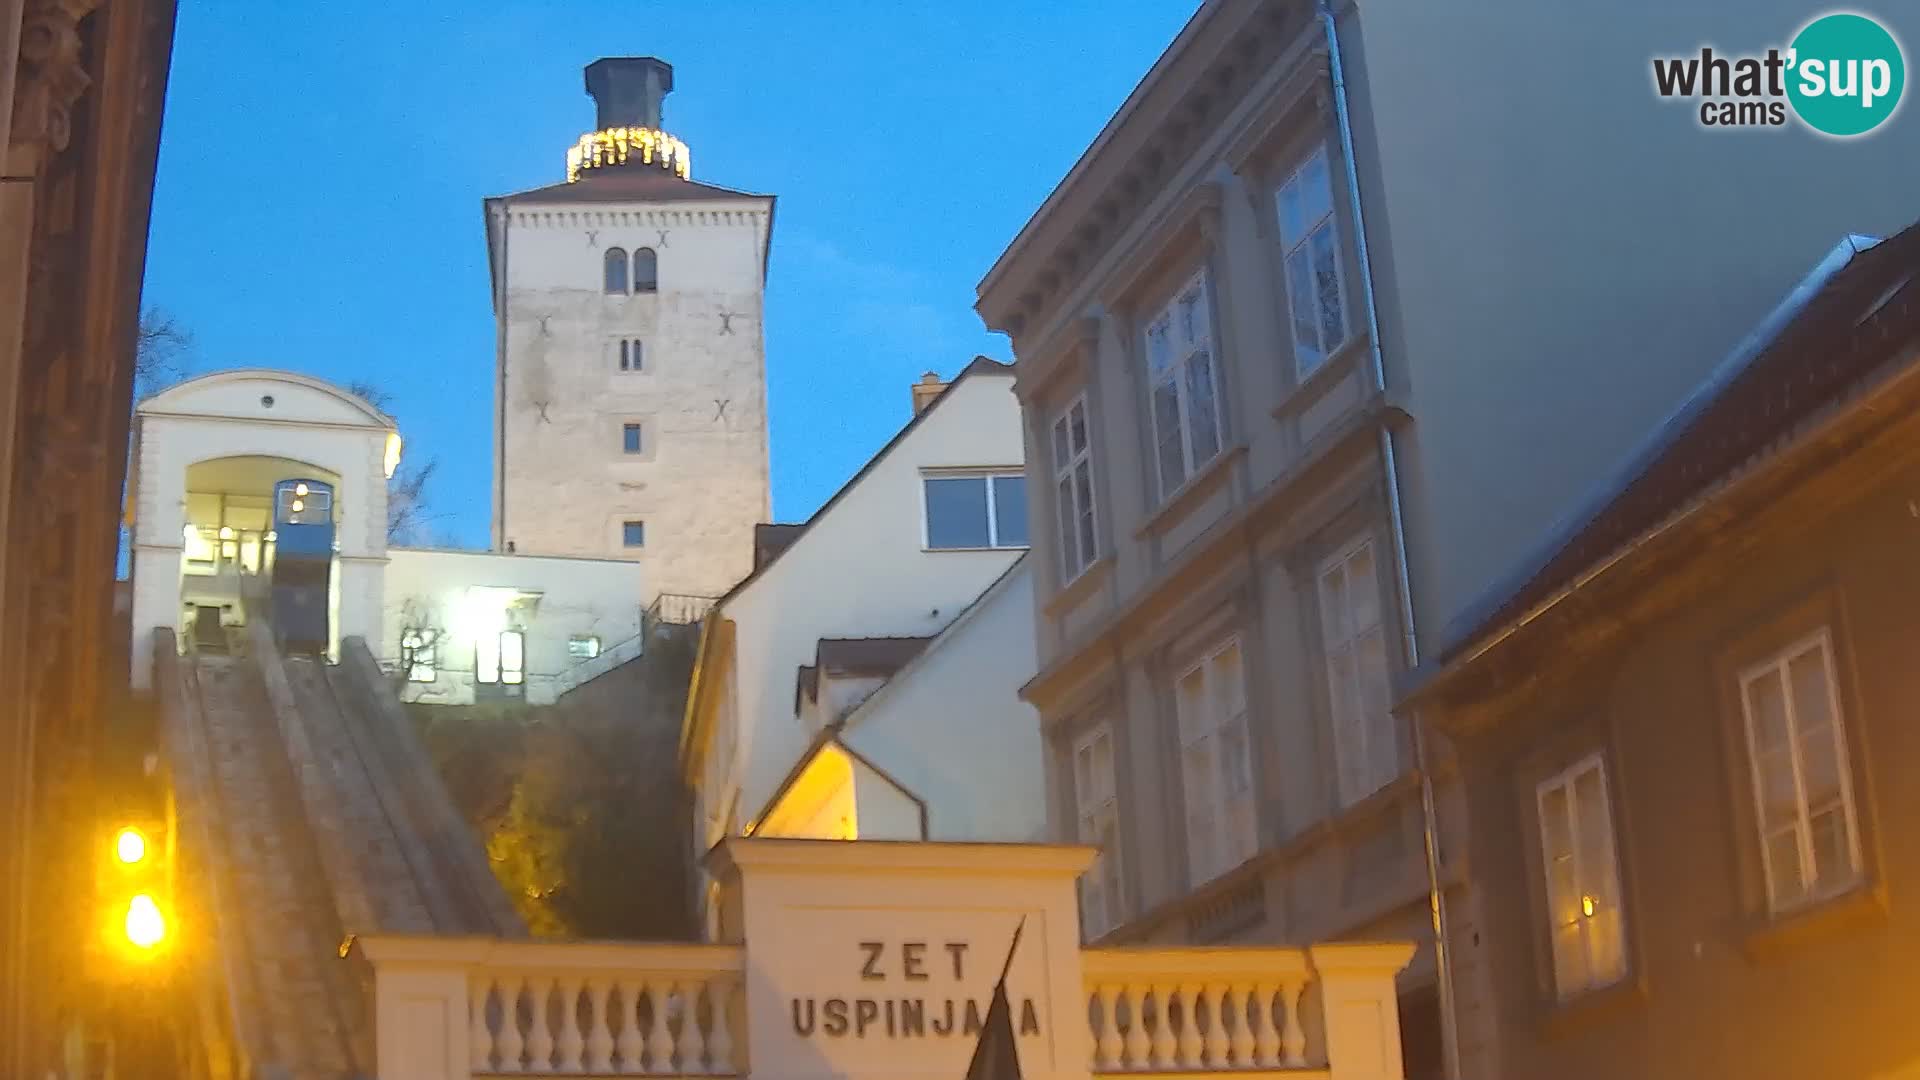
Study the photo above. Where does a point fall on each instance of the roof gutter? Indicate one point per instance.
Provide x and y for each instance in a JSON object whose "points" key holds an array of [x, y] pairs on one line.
{"points": [[1423, 765]]}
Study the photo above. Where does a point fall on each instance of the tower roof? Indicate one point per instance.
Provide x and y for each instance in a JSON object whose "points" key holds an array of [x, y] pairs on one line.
{"points": [[628, 185]]}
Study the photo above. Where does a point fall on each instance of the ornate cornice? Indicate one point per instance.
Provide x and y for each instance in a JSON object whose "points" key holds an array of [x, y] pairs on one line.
{"points": [[50, 79]]}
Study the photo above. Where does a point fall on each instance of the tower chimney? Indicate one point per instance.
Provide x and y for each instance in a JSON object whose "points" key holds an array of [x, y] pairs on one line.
{"points": [[629, 90], [925, 391]]}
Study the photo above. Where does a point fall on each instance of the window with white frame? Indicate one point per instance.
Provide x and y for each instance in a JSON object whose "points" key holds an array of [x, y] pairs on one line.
{"points": [[1186, 397], [1366, 742], [1097, 803], [1316, 295], [1216, 763], [1584, 914], [583, 646], [976, 510], [1802, 791], [1073, 489]]}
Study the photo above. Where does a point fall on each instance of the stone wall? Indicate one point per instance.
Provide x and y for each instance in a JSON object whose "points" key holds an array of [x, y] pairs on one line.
{"points": [[581, 801]]}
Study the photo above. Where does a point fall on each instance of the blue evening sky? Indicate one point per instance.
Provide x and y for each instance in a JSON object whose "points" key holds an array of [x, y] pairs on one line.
{"points": [[322, 166]]}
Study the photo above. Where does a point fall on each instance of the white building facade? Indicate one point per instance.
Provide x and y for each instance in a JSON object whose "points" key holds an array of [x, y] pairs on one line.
{"points": [[206, 454], [906, 546], [464, 626], [631, 394], [455, 627], [904, 759]]}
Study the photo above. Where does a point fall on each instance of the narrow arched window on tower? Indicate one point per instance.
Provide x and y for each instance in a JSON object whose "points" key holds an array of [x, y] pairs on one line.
{"points": [[616, 271], [646, 271]]}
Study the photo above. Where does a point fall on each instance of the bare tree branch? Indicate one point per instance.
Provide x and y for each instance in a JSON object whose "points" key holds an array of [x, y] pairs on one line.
{"points": [[373, 395], [160, 352]]}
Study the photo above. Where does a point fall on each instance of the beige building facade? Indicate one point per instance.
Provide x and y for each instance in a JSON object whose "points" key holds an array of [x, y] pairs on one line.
{"points": [[1308, 361], [631, 398], [1220, 612]]}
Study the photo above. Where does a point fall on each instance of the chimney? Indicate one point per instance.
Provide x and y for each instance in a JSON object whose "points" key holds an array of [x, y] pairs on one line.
{"points": [[628, 90], [925, 391]]}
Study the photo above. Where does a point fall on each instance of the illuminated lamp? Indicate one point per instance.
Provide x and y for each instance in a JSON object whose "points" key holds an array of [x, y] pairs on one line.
{"points": [[145, 926], [130, 846]]}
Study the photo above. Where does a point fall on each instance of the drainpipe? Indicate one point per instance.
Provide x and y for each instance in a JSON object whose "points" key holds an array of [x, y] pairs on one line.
{"points": [[1429, 812]]}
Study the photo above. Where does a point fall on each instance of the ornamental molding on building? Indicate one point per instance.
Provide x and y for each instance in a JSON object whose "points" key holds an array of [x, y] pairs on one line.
{"points": [[51, 79]]}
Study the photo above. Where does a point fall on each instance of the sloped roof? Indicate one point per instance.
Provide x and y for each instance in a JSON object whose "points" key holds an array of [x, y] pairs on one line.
{"points": [[1833, 330], [643, 183], [854, 656]]}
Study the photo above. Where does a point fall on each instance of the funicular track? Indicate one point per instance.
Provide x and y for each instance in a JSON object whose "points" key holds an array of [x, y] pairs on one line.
{"points": [[297, 1004], [311, 814]]}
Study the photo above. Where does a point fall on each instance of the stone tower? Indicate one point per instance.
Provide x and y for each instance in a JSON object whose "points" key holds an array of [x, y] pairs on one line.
{"points": [[630, 392]]}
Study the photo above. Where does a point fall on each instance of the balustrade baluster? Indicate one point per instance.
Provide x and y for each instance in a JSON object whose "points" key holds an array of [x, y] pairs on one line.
{"points": [[599, 1035], [1107, 1045], [1163, 1041], [692, 1045], [629, 1044], [570, 1044], [1190, 1041], [1266, 1037], [1293, 1039], [510, 1042], [540, 1035], [479, 1036], [1136, 1043], [660, 1042], [720, 1041], [1218, 1035]]}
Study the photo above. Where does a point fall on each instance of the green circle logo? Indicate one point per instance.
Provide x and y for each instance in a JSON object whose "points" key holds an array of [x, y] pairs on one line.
{"points": [[1846, 75]]}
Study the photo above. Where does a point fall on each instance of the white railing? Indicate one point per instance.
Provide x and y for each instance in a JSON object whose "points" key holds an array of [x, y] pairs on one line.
{"points": [[678, 609], [527, 1008], [456, 1008], [1252, 1009]]}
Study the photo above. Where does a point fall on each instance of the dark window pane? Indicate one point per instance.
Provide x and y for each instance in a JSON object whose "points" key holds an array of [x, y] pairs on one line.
{"points": [[633, 533], [617, 271], [630, 436], [1010, 511], [623, 354], [646, 271], [957, 512]]}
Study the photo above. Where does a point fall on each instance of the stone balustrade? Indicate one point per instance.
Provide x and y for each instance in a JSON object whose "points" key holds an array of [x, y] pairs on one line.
{"points": [[607, 1009], [546, 1009], [879, 961], [1250, 1009]]}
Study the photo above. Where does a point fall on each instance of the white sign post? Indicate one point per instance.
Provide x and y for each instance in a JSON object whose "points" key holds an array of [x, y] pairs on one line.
{"points": [[875, 959]]}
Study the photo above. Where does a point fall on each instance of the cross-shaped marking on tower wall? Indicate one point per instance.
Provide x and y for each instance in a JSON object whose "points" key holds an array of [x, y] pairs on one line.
{"points": [[542, 407], [593, 237], [726, 321], [662, 242], [720, 407]]}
